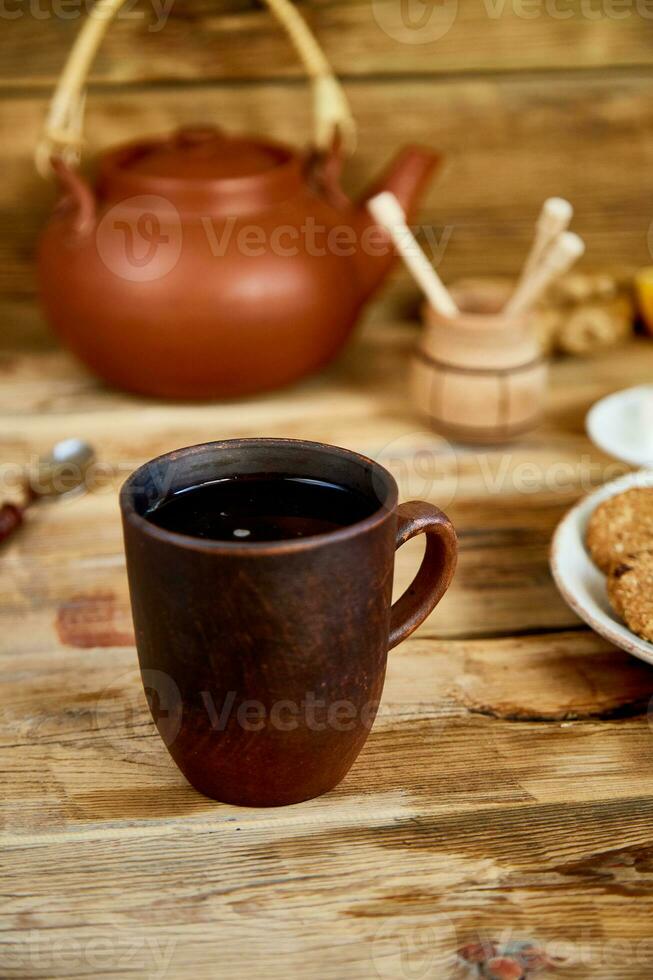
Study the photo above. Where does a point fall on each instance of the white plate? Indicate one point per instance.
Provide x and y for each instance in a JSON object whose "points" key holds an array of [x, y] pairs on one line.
{"points": [[622, 425], [580, 582]]}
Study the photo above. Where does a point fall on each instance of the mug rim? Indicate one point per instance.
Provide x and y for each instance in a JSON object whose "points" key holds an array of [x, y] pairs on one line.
{"points": [[210, 546]]}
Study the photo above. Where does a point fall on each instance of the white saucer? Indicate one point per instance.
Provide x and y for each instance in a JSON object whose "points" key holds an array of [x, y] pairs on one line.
{"points": [[580, 582], [622, 425]]}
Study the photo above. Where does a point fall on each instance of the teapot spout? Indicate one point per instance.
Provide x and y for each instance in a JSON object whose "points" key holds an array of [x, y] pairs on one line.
{"points": [[407, 178]]}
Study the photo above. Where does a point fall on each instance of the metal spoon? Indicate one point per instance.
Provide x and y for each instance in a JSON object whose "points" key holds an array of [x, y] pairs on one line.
{"points": [[61, 472]]}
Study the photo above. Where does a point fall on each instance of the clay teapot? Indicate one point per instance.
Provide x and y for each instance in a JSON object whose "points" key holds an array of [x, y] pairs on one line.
{"points": [[208, 266], [203, 264]]}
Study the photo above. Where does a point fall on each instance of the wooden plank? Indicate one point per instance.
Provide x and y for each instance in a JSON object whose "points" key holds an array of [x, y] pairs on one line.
{"points": [[239, 40], [505, 502], [508, 141], [37, 374], [451, 823], [55, 704]]}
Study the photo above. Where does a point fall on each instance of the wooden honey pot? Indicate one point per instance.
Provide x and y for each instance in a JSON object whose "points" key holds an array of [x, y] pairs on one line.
{"points": [[478, 373], [479, 377]]}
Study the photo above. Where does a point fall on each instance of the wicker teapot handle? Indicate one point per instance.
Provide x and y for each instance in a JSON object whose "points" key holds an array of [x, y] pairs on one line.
{"points": [[62, 133]]}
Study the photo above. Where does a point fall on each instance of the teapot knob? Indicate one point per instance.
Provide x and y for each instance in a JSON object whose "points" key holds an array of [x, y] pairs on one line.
{"points": [[193, 135]]}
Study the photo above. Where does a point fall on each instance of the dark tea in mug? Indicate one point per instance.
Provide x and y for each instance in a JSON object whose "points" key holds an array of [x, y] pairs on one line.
{"points": [[260, 507]]}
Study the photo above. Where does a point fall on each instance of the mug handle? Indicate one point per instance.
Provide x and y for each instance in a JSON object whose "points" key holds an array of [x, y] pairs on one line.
{"points": [[435, 573]]}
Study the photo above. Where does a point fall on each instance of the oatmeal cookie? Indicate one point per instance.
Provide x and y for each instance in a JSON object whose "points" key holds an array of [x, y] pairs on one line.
{"points": [[630, 590], [621, 526]]}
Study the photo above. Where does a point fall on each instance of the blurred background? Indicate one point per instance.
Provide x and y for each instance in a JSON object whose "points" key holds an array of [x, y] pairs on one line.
{"points": [[526, 98]]}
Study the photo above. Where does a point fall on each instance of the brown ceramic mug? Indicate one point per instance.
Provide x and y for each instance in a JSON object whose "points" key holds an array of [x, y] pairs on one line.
{"points": [[264, 662]]}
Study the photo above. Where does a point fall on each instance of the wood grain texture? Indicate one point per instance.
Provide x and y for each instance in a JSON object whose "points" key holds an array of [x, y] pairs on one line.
{"points": [[509, 141], [506, 791], [203, 39]]}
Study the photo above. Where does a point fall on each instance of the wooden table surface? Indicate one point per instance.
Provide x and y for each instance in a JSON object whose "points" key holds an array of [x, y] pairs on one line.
{"points": [[505, 793]]}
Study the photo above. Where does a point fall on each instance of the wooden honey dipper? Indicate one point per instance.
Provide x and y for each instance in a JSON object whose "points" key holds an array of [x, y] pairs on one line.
{"points": [[564, 251], [388, 212], [554, 218]]}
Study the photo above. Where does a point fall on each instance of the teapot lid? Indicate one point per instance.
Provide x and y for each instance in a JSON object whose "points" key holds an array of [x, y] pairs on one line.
{"points": [[203, 153], [202, 168]]}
